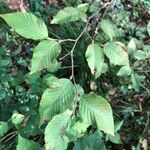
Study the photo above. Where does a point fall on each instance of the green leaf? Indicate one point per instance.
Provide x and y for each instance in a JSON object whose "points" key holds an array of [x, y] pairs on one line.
{"points": [[69, 14], [136, 81], [17, 118], [45, 54], [147, 50], [66, 15], [131, 47], [3, 128], [114, 139], [116, 54], [24, 144], [79, 89], [56, 99], [90, 142], [105, 68], [141, 55], [49, 79], [83, 7], [125, 70], [54, 67], [27, 25], [94, 6], [55, 138], [109, 29], [95, 109], [77, 130], [95, 59], [118, 125]]}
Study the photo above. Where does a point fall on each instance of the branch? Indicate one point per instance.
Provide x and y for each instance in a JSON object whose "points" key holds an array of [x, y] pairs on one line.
{"points": [[72, 52], [84, 30]]}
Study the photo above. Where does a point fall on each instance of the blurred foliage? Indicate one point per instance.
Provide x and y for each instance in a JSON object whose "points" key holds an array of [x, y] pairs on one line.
{"points": [[129, 96]]}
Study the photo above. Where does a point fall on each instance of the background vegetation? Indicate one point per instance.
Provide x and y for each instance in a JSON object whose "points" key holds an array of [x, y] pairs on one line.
{"points": [[127, 90]]}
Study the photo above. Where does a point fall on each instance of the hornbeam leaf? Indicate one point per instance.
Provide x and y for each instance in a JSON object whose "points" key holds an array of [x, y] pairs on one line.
{"points": [[69, 14], [44, 55], [83, 7], [95, 109], [27, 25], [92, 141], [77, 130], [17, 118], [124, 70], [55, 138], [109, 29], [3, 128], [25, 144], [95, 59], [65, 15], [114, 139], [56, 99], [141, 55], [116, 54]]}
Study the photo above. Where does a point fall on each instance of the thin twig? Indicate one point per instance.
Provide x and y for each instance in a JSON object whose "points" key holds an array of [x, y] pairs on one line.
{"points": [[67, 40], [101, 17], [8, 139], [10, 134], [72, 53], [146, 124], [67, 67], [84, 30]]}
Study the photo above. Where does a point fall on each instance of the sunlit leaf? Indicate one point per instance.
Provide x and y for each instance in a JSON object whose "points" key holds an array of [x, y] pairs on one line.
{"points": [[116, 54], [44, 55], [55, 138], [56, 99], [27, 25], [95, 59], [25, 144], [95, 109]]}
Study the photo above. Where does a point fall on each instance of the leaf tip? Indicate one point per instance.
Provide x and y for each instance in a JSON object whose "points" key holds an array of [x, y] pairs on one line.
{"points": [[54, 21]]}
